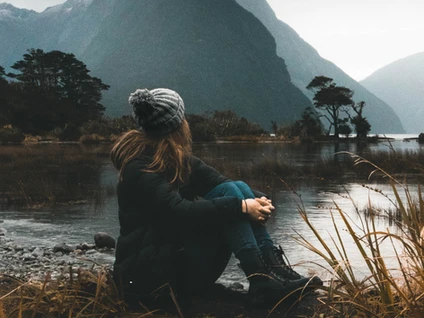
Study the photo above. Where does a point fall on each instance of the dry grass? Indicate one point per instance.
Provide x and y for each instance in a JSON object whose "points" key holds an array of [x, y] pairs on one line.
{"points": [[385, 291], [36, 175], [78, 293], [263, 174]]}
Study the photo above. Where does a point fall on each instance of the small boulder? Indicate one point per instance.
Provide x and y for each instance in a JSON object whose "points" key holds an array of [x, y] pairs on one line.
{"points": [[63, 248], [38, 252], [2, 231], [85, 247], [102, 239], [421, 138]]}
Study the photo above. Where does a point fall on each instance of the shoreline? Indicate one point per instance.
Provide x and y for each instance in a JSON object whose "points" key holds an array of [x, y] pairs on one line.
{"points": [[238, 140], [36, 263]]}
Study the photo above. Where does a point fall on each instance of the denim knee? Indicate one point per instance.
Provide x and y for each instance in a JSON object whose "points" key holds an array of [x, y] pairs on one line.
{"points": [[224, 190], [245, 189], [240, 184]]}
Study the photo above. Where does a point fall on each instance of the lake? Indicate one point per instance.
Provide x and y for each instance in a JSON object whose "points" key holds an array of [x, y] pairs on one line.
{"points": [[77, 223]]}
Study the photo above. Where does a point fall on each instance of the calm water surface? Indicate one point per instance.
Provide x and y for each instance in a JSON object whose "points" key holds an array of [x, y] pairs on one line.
{"points": [[73, 224]]}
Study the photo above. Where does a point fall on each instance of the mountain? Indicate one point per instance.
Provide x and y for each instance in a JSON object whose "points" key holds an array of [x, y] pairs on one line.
{"points": [[216, 54], [401, 84], [12, 28], [68, 27], [304, 63], [10, 13]]}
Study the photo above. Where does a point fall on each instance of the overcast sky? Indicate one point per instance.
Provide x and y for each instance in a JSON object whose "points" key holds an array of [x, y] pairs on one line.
{"points": [[359, 36]]}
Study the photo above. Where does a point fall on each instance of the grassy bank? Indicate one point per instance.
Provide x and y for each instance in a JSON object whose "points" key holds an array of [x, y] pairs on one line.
{"points": [[36, 175], [265, 173]]}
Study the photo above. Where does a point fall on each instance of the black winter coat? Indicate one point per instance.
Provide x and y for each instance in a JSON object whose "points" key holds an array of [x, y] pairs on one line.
{"points": [[154, 213]]}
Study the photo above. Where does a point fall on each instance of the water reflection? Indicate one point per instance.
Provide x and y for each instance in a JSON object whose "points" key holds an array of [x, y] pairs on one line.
{"points": [[77, 223]]}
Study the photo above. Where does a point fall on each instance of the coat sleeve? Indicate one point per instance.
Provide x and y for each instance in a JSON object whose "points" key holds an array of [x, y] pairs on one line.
{"points": [[204, 178], [164, 202]]}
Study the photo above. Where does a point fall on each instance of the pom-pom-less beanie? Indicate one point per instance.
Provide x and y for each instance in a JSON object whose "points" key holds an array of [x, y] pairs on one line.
{"points": [[158, 111]]}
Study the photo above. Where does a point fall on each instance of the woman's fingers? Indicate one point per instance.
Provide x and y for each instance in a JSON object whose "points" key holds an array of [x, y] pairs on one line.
{"points": [[266, 209], [265, 202], [257, 211]]}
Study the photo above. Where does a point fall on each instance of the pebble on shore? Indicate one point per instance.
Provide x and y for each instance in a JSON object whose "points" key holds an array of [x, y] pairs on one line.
{"points": [[35, 262]]}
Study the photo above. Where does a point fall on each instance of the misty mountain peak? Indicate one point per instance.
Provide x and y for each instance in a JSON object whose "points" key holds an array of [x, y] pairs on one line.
{"points": [[68, 6], [11, 13]]}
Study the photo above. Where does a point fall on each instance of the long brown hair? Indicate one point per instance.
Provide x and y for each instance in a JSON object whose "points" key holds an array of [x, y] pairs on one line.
{"points": [[171, 152]]}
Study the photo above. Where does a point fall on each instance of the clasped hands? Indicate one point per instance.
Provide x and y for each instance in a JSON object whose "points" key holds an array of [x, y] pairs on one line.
{"points": [[258, 209]]}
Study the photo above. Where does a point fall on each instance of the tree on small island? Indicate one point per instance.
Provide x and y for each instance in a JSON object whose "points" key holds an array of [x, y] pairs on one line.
{"points": [[361, 124], [330, 98], [335, 100]]}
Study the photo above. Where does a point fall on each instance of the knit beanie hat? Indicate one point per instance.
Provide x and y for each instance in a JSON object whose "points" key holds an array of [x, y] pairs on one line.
{"points": [[158, 111]]}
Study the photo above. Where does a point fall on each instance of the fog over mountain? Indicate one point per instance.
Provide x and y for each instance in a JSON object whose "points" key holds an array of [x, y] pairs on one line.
{"points": [[304, 63], [401, 84], [217, 54]]}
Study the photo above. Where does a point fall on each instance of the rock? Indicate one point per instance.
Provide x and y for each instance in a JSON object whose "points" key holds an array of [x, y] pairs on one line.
{"points": [[18, 248], [85, 246], [65, 249], [236, 286], [35, 262], [78, 252], [102, 239], [37, 252], [3, 231], [421, 138]]}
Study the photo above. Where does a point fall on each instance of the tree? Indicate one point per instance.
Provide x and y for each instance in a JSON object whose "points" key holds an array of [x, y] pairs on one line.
{"points": [[344, 128], [227, 123], [274, 126], [2, 74], [64, 81], [4, 99], [308, 126], [361, 124], [331, 99], [200, 127], [311, 123]]}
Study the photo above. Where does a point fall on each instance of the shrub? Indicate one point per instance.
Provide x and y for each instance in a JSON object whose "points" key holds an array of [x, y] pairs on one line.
{"points": [[70, 133], [92, 139], [107, 127], [11, 134]]}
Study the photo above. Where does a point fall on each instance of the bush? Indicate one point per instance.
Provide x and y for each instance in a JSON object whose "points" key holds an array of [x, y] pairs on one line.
{"points": [[70, 133], [223, 123], [11, 134], [92, 139], [200, 127], [106, 127]]}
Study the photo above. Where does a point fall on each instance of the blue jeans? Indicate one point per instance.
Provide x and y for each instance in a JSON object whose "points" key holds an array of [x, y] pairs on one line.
{"points": [[245, 234], [207, 252]]}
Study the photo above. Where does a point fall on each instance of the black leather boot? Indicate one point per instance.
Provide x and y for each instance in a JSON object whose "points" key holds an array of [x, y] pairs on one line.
{"points": [[264, 286], [273, 258]]}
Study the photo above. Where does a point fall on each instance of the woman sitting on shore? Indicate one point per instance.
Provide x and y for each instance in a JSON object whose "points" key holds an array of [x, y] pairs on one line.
{"points": [[180, 219]]}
